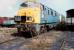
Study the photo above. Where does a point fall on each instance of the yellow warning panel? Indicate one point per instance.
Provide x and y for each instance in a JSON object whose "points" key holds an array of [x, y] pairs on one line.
{"points": [[34, 13]]}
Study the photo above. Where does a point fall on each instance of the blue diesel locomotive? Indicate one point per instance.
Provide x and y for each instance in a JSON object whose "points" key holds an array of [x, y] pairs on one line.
{"points": [[36, 18]]}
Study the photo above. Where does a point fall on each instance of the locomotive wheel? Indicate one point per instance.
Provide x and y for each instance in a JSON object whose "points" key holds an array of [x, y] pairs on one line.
{"points": [[43, 29], [18, 30], [33, 32]]}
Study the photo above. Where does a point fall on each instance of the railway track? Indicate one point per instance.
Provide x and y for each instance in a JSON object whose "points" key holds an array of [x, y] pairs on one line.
{"points": [[16, 43], [68, 43], [61, 44], [58, 44], [8, 40], [12, 44]]}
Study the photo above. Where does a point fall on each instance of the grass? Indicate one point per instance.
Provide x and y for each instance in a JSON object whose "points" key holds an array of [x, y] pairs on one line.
{"points": [[45, 42], [8, 30], [1, 30], [41, 43], [12, 31]]}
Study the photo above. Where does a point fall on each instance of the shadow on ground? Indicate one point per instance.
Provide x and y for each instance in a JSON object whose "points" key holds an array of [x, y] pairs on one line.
{"points": [[22, 34], [59, 27]]}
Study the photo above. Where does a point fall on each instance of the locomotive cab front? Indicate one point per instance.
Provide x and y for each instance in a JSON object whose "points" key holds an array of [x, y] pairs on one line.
{"points": [[28, 18], [23, 19]]}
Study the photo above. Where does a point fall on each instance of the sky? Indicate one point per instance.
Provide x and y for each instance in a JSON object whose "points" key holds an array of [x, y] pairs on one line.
{"points": [[9, 8]]}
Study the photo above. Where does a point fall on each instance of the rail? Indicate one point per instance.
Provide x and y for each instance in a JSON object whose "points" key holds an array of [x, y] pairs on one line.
{"points": [[9, 40]]}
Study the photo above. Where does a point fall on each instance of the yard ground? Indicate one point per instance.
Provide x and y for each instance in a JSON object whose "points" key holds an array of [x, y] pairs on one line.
{"points": [[5, 33], [45, 41]]}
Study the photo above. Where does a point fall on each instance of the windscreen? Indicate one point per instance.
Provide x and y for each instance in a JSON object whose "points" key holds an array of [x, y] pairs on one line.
{"points": [[17, 18], [20, 18]]}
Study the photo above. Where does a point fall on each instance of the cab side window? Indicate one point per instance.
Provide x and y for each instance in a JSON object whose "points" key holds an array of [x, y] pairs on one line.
{"points": [[55, 14], [51, 12], [48, 12], [24, 5]]}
